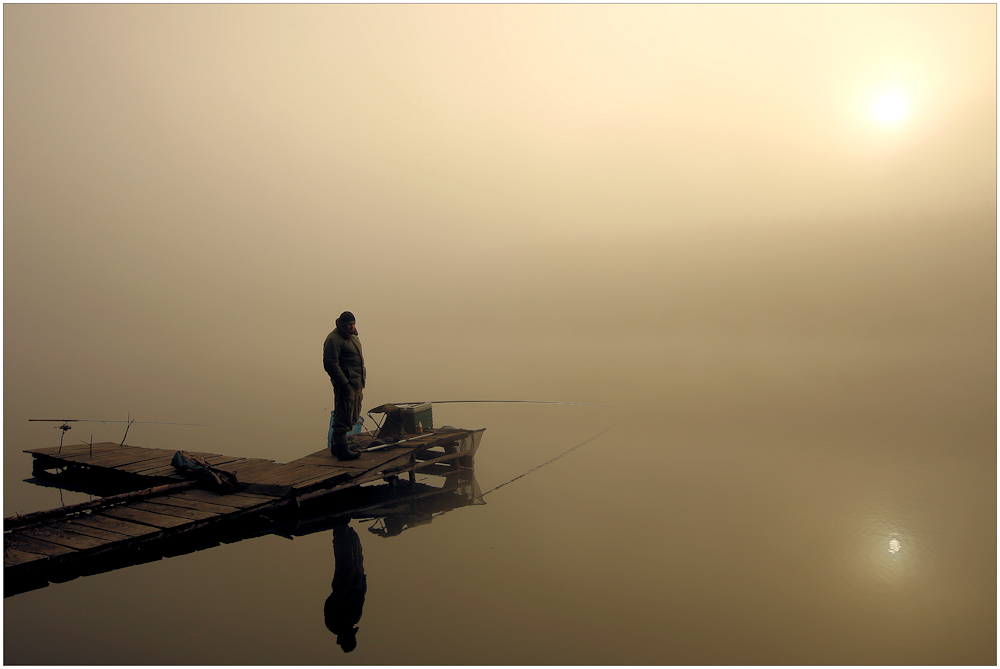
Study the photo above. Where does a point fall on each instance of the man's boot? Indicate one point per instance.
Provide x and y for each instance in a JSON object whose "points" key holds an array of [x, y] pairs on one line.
{"points": [[342, 449]]}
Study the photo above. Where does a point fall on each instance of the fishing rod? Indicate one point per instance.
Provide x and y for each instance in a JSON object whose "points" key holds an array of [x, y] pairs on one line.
{"points": [[583, 404], [66, 425], [393, 444], [85, 420], [548, 462], [381, 409]]}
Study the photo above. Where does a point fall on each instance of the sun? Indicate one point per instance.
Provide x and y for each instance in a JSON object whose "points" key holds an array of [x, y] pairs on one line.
{"points": [[890, 108]]}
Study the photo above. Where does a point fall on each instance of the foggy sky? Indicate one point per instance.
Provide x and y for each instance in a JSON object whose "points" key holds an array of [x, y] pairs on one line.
{"points": [[194, 192]]}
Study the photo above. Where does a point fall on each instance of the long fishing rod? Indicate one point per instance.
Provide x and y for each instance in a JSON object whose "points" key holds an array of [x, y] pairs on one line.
{"points": [[548, 462], [85, 420], [583, 404], [66, 425]]}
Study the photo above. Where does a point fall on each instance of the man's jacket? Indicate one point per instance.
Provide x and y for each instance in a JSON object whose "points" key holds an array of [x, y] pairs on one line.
{"points": [[342, 359]]}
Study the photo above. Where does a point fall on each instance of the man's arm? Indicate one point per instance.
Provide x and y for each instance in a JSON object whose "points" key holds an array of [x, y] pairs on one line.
{"points": [[331, 362]]}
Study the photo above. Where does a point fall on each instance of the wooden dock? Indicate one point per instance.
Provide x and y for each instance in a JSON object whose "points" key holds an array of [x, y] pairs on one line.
{"points": [[166, 506]]}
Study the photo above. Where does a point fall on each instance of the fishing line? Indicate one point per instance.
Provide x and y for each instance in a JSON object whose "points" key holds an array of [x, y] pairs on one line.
{"points": [[537, 467], [582, 404]]}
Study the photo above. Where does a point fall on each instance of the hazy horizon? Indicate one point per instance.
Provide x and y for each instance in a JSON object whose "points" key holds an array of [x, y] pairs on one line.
{"points": [[765, 233]]}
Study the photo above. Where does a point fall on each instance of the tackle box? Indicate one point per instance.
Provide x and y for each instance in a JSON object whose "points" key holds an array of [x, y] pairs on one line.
{"points": [[416, 417]]}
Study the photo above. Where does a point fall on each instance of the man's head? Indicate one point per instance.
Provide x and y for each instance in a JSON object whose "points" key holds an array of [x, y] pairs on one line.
{"points": [[346, 322], [333, 616], [348, 640]]}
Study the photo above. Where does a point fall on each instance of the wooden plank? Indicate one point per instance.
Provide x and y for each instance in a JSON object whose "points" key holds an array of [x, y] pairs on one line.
{"points": [[274, 491], [282, 475], [324, 457], [366, 461], [146, 465], [223, 461], [375, 460], [164, 471], [115, 525], [254, 475], [310, 476], [126, 467], [16, 541], [213, 458], [240, 499], [333, 476], [176, 511], [144, 517], [84, 452], [111, 459], [308, 473], [117, 466], [169, 471], [51, 462], [364, 477], [177, 500], [389, 466], [247, 470], [80, 528], [324, 484], [13, 557], [253, 463], [260, 460], [55, 535], [204, 454], [260, 475], [389, 461], [331, 473], [320, 461], [73, 509], [145, 469], [119, 460]]}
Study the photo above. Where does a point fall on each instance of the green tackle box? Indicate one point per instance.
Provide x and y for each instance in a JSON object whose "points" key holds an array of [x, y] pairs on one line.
{"points": [[417, 417]]}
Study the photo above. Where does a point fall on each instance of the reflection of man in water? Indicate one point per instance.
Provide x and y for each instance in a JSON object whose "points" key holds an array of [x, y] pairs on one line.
{"points": [[342, 610]]}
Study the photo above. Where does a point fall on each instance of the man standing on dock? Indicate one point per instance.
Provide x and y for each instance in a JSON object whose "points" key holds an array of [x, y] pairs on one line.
{"points": [[343, 361]]}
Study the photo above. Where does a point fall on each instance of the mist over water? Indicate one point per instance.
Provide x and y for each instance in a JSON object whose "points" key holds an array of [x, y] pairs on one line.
{"points": [[792, 316]]}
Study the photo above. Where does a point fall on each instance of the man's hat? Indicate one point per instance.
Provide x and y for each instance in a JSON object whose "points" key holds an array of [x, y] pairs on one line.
{"points": [[347, 317]]}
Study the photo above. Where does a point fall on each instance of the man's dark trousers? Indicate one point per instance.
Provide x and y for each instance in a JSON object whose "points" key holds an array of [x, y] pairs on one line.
{"points": [[346, 408]]}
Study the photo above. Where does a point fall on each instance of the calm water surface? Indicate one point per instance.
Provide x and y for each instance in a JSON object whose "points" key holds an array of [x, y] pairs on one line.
{"points": [[800, 466], [850, 520]]}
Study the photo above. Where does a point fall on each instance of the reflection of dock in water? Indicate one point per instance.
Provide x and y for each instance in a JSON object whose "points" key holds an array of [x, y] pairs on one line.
{"points": [[172, 516]]}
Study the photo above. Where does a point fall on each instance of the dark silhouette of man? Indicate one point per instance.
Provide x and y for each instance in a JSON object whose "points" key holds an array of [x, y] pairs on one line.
{"points": [[342, 610], [344, 362]]}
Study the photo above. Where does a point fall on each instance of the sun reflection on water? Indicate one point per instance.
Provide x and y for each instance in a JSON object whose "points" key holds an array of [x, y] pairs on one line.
{"points": [[890, 564], [882, 551]]}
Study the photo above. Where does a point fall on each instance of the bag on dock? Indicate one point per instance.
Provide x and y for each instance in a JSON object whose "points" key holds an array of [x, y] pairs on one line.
{"points": [[194, 467]]}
